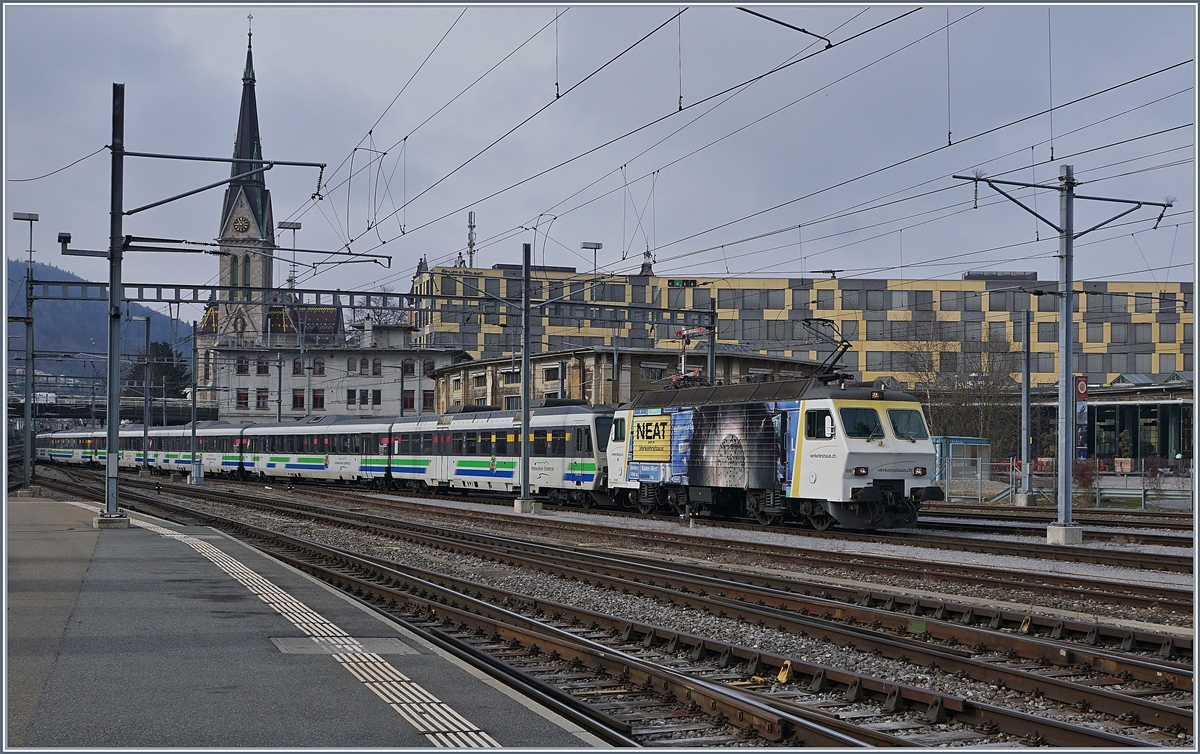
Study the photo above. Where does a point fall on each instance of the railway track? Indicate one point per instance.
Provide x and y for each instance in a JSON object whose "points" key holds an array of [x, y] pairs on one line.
{"points": [[1155, 519], [1065, 587], [736, 599]]}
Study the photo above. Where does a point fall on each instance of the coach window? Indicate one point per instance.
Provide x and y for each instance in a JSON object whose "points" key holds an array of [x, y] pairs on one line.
{"points": [[456, 443], [539, 443], [405, 444], [470, 444], [558, 443], [818, 425], [427, 444], [501, 448], [619, 430], [485, 444]]}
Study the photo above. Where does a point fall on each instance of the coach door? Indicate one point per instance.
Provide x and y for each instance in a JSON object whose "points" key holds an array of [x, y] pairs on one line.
{"points": [[580, 463]]}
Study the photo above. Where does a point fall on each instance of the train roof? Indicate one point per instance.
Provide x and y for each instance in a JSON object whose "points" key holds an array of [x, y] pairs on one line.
{"points": [[761, 392]]}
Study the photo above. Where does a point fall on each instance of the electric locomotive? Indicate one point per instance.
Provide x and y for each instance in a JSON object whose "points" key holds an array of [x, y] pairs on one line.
{"points": [[806, 450]]}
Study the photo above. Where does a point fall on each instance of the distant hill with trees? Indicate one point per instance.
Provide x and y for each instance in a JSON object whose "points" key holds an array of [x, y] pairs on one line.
{"points": [[73, 327]]}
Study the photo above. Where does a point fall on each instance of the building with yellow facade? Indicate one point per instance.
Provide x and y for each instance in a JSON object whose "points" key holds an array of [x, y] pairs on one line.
{"points": [[918, 331]]}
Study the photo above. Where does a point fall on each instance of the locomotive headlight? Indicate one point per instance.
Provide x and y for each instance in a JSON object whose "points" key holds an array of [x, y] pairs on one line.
{"points": [[860, 471], [919, 471]]}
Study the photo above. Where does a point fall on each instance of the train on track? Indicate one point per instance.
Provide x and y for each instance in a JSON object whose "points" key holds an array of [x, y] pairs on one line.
{"points": [[813, 451]]}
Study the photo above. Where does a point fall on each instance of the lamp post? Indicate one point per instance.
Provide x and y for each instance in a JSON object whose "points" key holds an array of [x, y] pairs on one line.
{"points": [[27, 460], [293, 227], [595, 247], [145, 401]]}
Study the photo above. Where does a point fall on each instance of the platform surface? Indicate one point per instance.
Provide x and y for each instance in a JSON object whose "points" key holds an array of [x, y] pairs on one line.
{"points": [[162, 635]]}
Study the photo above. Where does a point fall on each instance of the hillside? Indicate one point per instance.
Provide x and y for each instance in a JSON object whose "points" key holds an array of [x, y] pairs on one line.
{"points": [[78, 326]]}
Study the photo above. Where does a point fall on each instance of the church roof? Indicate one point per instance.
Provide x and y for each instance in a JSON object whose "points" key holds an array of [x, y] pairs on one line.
{"points": [[248, 146], [317, 320]]}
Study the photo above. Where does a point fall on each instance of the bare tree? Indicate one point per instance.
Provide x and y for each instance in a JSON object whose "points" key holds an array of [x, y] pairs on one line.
{"points": [[967, 384]]}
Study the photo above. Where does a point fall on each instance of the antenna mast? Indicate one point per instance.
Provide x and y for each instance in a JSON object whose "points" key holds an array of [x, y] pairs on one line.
{"points": [[471, 239]]}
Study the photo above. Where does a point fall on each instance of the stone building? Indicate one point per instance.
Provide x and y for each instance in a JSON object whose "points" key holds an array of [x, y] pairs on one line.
{"points": [[587, 373]]}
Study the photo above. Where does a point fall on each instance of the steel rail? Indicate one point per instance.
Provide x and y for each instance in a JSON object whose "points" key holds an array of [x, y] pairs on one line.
{"points": [[438, 589], [888, 688]]}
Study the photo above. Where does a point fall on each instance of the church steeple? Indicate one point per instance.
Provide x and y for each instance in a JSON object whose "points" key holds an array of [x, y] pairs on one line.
{"points": [[248, 146]]}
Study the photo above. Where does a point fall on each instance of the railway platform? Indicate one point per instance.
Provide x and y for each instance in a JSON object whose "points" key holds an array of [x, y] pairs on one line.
{"points": [[163, 636]]}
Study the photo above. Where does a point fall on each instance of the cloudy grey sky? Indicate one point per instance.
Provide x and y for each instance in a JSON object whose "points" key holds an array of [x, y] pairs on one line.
{"points": [[840, 159]]}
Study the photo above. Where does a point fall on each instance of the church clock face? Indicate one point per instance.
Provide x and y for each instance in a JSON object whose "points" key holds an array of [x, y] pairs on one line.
{"points": [[241, 225]]}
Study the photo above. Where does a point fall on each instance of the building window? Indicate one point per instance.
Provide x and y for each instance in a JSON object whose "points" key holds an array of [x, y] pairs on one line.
{"points": [[376, 397], [351, 395], [851, 299], [319, 367], [876, 300], [410, 368], [1047, 303], [1142, 332], [654, 373], [849, 329], [1187, 332], [363, 366], [825, 298], [376, 368], [997, 332], [1095, 332], [1166, 303], [481, 401], [512, 378], [351, 366], [1047, 332], [297, 367], [1142, 303], [1166, 363], [427, 400], [951, 301], [1166, 332], [297, 400], [408, 403], [998, 301], [428, 367], [243, 400], [512, 403], [550, 375], [479, 380], [456, 384], [264, 367], [318, 400], [243, 365], [261, 399], [362, 397], [1119, 332]]}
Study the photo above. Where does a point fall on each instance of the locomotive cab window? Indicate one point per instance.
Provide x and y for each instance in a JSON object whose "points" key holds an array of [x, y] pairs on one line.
{"points": [[618, 434], [907, 424], [862, 423], [818, 425]]}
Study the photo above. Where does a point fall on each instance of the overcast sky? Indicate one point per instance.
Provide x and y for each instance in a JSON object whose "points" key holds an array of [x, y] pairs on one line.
{"points": [[811, 150]]}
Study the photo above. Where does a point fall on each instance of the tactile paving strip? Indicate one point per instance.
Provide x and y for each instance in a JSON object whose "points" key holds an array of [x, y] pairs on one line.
{"points": [[432, 717]]}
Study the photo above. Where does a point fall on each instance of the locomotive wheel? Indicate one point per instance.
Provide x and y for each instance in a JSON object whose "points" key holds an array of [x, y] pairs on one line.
{"points": [[822, 522], [767, 519], [646, 507]]}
